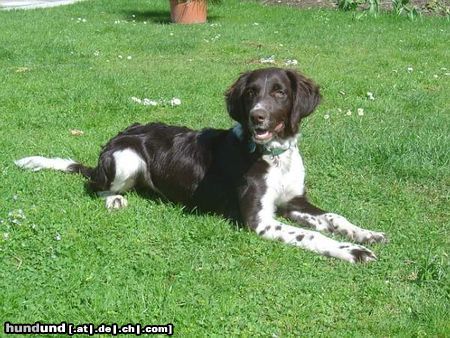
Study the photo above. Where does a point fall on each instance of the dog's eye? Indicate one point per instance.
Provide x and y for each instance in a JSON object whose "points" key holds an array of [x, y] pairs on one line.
{"points": [[250, 93], [279, 94]]}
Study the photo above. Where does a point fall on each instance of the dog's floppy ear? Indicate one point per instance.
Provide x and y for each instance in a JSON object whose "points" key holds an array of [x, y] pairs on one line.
{"points": [[306, 97], [233, 98]]}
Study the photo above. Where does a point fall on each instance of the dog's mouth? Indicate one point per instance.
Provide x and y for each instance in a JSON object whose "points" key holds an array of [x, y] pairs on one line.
{"points": [[261, 134], [264, 135]]}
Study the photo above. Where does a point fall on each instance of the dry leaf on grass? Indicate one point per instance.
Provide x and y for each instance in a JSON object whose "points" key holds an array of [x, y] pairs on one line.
{"points": [[76, 132]]}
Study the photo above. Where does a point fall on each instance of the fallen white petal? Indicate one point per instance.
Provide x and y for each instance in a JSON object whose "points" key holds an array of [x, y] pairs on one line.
{"points": [[292, 62], [148, 102], [175, 102], [370, 96], [270, 59]]}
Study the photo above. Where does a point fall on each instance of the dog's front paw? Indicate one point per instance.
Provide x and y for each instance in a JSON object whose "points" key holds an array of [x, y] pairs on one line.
{"points": [[362, 255], [356, 253], [368, 236], [341, 225], [116, 202]]}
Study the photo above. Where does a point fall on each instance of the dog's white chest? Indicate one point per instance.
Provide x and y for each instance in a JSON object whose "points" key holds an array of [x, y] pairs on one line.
{"points": [[285, 177]]}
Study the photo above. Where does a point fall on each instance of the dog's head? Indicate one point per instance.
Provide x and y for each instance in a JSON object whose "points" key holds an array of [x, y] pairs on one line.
{"points": [[269, 103]]}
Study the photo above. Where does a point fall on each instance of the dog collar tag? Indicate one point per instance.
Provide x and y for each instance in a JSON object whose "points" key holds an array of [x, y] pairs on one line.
{"points": [[275, 152]]}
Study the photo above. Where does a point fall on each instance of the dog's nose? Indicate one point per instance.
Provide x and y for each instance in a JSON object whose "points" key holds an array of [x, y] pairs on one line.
{"points": [[258, 116]]}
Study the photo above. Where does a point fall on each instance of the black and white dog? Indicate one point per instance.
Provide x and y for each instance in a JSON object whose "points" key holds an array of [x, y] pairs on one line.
{"points": [[249, 173]]}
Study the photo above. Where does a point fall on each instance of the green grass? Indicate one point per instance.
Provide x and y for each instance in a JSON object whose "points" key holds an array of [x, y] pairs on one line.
{"points": [[152, 263]]}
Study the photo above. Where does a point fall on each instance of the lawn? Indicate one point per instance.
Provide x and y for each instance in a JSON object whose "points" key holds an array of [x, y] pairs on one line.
{"points": [[384, 166]]}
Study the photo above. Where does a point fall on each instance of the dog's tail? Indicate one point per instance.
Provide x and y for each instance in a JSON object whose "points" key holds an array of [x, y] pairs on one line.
{"points": [[37, 163]]}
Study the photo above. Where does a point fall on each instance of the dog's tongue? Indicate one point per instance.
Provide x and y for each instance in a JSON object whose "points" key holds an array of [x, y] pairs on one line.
{"points": [[265, 134], [262, 134]]}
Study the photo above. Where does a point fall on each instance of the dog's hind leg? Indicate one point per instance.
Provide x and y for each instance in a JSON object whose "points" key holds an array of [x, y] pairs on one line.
{"points": [[118, 172]]}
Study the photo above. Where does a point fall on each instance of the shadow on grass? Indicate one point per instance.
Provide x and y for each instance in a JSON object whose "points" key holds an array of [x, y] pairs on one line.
{"points": [[161, 17], [155, 16], [145, 193], [233, 218]]}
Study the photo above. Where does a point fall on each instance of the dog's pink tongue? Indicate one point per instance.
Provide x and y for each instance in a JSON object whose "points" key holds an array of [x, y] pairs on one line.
{"points": [[264, 135]]}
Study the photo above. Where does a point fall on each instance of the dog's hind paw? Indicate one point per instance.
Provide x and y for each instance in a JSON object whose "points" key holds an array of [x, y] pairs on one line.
{"points": [[116, 202]]}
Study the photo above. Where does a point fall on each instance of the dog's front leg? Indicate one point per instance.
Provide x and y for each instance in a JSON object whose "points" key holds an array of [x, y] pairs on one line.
{"points": [[301, 211], [258, 214]]}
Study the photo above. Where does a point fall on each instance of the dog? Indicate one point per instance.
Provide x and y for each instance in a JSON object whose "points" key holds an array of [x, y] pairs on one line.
{"points": [[250, 173]]}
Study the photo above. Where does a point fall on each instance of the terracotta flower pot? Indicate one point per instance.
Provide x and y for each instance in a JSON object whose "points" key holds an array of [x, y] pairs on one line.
{"points": [[188, 12]]}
